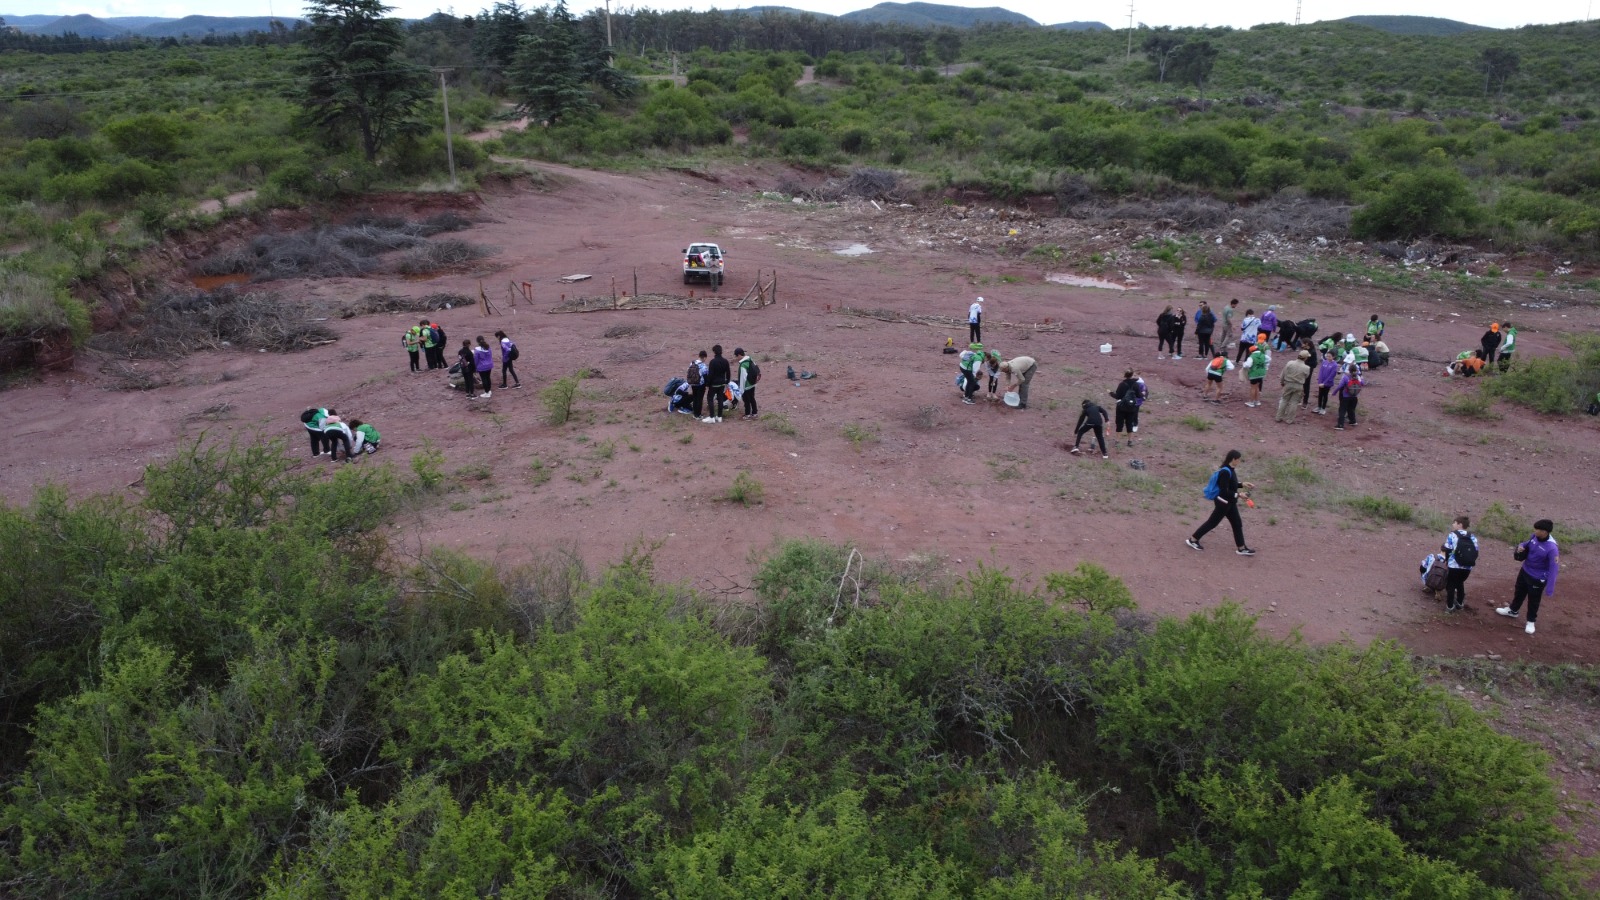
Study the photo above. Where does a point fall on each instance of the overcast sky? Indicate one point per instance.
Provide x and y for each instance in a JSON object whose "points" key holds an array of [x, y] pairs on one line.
{"points": [[1240, 14]]}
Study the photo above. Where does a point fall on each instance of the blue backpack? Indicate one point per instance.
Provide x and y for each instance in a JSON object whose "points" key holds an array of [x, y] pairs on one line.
{"points": [[1213, 489]]}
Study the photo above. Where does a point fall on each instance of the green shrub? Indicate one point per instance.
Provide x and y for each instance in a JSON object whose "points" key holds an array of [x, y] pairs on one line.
{"points": [[1415, 204], [803, 142], [558, 398], [1384, 509], [1558, 385], [746, 490]]}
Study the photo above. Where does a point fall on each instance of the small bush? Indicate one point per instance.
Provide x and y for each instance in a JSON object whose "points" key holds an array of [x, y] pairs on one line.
{"points": [[858, 434], [1197, 423], [428, 465], [558, 398], [1384, 509], [746, 490], [779, 423], [1558, 385]]}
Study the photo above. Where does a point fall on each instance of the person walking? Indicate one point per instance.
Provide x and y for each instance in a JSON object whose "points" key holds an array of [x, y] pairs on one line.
{"points": [[718, 373], [412, 341], [483, 364], [1227, 326], [970, 361], [1256, 371], [1224, 493], [1490, 342], [1541, 563], [1348, 390], [1020, 368], [1092, 418], [1327, 374], [1248, 331], [746, 380], [1205, 324], [975, 322], [508, 360], [1127, 394], [1461, 554], [1180, 324], [1164, 332], [1293, 381]]}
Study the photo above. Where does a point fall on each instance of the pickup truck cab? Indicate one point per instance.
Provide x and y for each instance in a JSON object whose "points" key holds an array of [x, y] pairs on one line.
{"points": [[702, 261]]}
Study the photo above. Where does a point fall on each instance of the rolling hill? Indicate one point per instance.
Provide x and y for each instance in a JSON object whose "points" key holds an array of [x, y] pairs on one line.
{"points": [[935, 15], [1416, 26]]}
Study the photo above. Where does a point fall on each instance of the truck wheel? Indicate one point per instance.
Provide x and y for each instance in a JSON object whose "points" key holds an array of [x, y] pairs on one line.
{"points": [[687, 278]]}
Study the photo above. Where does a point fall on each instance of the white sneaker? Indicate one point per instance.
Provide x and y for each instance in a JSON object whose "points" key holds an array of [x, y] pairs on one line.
{"points": [[1506, 611], [1528, 628], [1175, 356], [485, 396], [708, 420], [719, 418]]}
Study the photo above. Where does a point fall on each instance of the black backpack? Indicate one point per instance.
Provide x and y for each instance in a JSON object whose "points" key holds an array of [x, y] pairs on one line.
{"points": [[694, 375], [755, 373], [1466, 552], [438, 335]]}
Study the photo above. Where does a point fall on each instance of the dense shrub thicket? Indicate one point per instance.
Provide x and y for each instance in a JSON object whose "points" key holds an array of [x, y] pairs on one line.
{"points": [[236, 687]]}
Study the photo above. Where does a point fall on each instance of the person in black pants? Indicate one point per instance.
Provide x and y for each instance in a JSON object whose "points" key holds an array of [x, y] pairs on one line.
{"points": [[1205, 322], [717, 375], [1093, 418], [697, 399], [1180, 324], [1455, 583], [1226, 506]]}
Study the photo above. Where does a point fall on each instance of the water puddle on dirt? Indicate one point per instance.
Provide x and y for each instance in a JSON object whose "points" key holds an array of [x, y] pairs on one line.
{"points": [[212, 282], [854, 250], [1083, 281]]}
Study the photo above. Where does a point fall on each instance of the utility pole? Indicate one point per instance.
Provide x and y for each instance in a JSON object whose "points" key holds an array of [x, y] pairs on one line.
{"points": [[449, 145], [608, 25], [1130, 29], [1297, 4]]}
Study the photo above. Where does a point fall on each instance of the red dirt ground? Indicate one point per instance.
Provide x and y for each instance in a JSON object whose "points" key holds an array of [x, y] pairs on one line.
{"points": [[983, 484], [986, 484]]}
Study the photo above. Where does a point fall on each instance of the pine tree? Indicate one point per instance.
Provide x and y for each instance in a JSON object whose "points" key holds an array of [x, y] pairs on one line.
{"points": [[548, 71], [355, 77]]}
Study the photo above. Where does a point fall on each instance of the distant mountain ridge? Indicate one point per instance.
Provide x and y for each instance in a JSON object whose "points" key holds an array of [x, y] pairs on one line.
{"points": [[1425, 26], [113, 27]]}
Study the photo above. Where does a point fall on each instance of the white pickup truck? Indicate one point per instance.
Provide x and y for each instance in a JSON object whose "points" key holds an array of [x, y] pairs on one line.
{"points": [[702, 261]]}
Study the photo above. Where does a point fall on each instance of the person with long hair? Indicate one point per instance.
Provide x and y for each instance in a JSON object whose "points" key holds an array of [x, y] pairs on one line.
{"points": [[1225, 505], [508, 360], [483, 364]]}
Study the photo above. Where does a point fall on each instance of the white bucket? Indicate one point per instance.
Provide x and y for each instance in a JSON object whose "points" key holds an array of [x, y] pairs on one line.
{"points": [[1105, 348], [1012, 399]]}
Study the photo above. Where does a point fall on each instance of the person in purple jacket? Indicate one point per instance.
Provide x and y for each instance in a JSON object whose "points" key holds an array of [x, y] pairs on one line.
{"points": [[1541, 562], [1327, 374], [1269, 323], [483, 363]]}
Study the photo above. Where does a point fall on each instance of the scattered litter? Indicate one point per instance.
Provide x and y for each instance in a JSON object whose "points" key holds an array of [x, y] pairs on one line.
{"points": [[853, 250], [573, 279]]}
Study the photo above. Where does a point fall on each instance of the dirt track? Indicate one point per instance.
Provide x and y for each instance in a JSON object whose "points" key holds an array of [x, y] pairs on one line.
{"points": [[984, 484]]}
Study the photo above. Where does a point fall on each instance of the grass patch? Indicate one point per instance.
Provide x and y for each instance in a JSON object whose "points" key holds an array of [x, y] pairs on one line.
{"points": [[779, 423], [746, 490], [1471, 406], [1383, 509], [558, 398], [1197, 423], [1139, 483], [858, 434], [1557, 385]]}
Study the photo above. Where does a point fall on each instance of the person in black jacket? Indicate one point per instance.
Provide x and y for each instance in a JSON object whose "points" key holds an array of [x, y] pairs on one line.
{"points": [[717, 375], [1093, 418], [1205, 322], [1129, 395], [1163, 333], [1180, 324], [1226, 506]]}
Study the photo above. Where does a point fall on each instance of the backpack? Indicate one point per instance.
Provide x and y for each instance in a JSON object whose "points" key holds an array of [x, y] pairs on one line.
{"points": [[1466, 552], [693, 379], [672, 386], [1353, 387], [1214, 487], [755, 373], [438, 335], [307, 416]]}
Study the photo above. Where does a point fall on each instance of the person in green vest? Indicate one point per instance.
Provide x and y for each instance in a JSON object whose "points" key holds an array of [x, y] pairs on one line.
{"points": [[312, 419], [412, 341], [1257, 372], [1508, 345], [425, 331], [971, 361], [366, 437]]}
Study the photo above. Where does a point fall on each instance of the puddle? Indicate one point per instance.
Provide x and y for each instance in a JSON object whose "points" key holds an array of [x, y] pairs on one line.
{"points": [[212, 282], [854, 250], [1083, 281]]}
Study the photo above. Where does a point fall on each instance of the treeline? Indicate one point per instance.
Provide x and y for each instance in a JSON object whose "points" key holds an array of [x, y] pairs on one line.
{"points": [[236, 686]]}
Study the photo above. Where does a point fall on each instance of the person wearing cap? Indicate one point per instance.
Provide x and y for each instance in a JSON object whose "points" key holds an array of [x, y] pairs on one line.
{"points": [[1541, 563], [1347, 347], [1508, 344], [747, 386], [1021, 368], [971, 360], [1293, 380], [1348, 390], [1257, 371], [1490, 342], [975, 321]]}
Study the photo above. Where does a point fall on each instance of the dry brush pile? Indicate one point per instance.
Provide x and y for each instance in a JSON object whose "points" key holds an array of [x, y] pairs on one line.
{"points": [[185, 322], [348, 251]]}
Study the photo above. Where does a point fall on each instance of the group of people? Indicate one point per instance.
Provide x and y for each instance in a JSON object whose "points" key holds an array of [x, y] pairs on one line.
{"points": [[1497, 345], [329, 431], [975, 364], [1540, 556], [1130, 395], [474, 366], [713, 383]]}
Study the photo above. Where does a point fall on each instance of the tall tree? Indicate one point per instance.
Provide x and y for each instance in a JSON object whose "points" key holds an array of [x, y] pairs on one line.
{"points": [[355, 77], [1159, 46], [947, 47], [547, 73], [1498, 64], [1192, 63]]}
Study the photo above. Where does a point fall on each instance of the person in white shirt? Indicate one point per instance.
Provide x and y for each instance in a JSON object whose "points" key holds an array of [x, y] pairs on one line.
{"points": [[975, 322]]}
